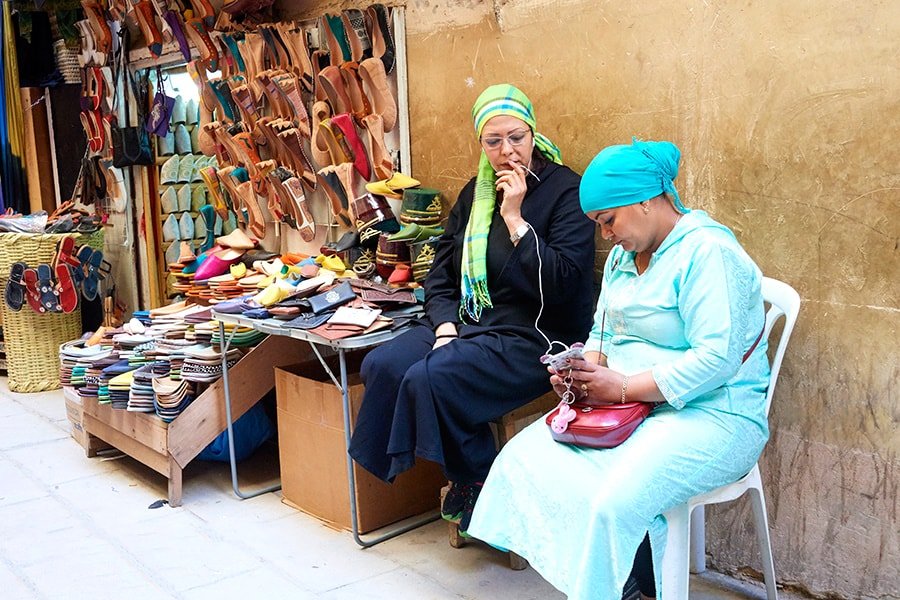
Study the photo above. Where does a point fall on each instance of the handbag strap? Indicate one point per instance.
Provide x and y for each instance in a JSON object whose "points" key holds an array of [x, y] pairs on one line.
{"points": [[753, 347], [120, 67]]}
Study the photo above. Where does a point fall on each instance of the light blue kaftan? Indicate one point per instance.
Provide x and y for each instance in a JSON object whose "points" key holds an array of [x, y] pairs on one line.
{"points": [[577, 514]]}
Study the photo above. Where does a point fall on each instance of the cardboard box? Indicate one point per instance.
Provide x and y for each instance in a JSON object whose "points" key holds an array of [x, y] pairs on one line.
{"points": [[314, 458]]}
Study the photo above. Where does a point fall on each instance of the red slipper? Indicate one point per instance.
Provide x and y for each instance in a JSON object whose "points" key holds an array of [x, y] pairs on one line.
{"points": [[65, 253], [68, 293], [31, 290]]}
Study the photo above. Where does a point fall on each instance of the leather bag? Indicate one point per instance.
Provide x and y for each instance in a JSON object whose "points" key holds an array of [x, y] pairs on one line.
{"points": [[604, 426], [607, 425], [130, 145]]}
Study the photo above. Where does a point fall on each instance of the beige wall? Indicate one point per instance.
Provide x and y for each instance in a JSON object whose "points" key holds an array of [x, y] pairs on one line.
{"points": [[787, 115]]}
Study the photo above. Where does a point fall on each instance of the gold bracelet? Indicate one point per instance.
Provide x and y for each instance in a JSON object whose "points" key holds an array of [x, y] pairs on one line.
{"points": [[624, 387]]}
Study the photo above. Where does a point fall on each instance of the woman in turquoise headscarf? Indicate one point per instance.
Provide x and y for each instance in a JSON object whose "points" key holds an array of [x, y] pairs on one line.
{"points": [[679, 308], [517, 253]]}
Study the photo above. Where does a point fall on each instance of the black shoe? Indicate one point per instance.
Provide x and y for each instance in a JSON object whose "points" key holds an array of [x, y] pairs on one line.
{"points": [[472, 492], [631, 591], [452, 506]]}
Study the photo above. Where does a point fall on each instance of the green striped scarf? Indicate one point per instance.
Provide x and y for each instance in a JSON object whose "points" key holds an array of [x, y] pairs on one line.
{"points": [[502, 99]]}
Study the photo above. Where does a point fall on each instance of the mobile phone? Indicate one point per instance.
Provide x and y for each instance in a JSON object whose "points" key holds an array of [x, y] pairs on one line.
{"points": [[558, 361]]}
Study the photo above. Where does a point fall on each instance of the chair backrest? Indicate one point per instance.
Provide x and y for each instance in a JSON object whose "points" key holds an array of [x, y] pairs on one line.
{"points": [[784, 301]]}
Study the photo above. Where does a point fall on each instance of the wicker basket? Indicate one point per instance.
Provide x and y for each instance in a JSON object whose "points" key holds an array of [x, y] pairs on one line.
{"points": [[32, 339]]}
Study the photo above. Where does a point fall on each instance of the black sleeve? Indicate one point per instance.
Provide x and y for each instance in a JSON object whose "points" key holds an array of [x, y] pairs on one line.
{"points": [[442, 291], [566, 251]]}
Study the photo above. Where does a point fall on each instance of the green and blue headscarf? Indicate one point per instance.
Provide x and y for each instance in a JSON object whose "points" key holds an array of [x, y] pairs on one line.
{"points": [[502, 99], [623, 175]]}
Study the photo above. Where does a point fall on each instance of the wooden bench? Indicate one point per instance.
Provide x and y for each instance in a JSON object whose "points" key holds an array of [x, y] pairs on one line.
{"points": [[507, 426]]}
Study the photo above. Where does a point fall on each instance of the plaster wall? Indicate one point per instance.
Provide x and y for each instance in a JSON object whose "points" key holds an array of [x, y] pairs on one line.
{"points": [[787, 117]]}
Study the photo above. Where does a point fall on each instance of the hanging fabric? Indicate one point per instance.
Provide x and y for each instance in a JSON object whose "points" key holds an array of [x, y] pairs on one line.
{"points": [[12, 127]]}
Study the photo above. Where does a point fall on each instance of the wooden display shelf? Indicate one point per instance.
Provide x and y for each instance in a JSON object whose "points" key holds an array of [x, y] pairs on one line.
{"points": [[168, 448]]}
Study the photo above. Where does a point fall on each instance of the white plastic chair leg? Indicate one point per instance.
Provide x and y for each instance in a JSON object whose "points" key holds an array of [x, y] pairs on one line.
{"points": [[675, 559], [698, 540], [761, 521]]}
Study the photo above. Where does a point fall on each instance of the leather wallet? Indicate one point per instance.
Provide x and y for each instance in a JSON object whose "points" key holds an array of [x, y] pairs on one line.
{"points": [[308, 320], [396, 296], [294, 302], [339, 294], [285, 313], [336, 332], [361, 317]]}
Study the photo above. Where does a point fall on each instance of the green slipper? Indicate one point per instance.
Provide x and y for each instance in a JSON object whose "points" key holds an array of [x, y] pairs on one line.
{"points": [[416, 233]]}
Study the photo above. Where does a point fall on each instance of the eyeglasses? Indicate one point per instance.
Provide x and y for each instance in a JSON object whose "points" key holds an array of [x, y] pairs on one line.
{"points": [[515, 139]]}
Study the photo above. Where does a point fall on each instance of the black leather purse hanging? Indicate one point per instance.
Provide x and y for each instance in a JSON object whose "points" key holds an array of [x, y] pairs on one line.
{"points": [[130, 145]]}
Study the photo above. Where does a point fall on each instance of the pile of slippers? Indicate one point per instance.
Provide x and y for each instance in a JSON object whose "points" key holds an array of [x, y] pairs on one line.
{"points": [[57, 287]]}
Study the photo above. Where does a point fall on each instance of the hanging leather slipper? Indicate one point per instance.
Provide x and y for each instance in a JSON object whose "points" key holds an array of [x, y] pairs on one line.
{"points": [[91, 286], [32, 295], [373, 75], [65, 249], [204, 10], [293, 143], [334, 191], [332, 82], [379, 30], [381, 157], [350, 140], [355, 28], [321, 112], [359, 102], [47, 289], [306, 225], [67, 292], [15, 288], [335, 38], [145, 15], [176, 24], [198, 34], [100, 27]]}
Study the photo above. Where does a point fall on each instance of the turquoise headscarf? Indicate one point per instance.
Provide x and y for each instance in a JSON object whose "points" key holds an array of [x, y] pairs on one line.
{"points": [[501, 99], [623, 175]]}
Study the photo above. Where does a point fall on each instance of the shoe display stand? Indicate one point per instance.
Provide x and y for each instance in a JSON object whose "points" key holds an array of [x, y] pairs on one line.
{"points": [[320, 347], [280, 237], [167, 448]]}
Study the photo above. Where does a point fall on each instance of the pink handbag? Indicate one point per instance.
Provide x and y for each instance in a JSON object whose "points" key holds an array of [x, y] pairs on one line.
{"points": [[604, 426], [607, 425]]}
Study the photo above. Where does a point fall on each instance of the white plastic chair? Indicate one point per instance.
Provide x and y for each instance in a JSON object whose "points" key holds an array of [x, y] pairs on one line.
{"points": [[686, 536]]}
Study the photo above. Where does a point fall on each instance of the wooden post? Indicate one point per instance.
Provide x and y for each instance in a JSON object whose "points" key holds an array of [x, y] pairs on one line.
{"points": [[37, 161]]}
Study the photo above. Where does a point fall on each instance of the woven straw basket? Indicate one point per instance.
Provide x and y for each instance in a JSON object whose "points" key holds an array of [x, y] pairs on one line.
{"points": [[32, 339]]}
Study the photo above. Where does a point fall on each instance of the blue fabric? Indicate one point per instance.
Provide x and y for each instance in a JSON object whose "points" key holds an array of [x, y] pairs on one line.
{"points": [[250, 431], [578, 515], [623, 175]]}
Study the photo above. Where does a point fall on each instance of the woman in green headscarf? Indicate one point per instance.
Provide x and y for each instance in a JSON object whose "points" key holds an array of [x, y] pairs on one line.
{"points": [[517, 255]]}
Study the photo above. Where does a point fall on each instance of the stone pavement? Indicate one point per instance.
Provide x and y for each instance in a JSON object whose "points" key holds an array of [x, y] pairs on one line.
{"points": [[73, 528]]}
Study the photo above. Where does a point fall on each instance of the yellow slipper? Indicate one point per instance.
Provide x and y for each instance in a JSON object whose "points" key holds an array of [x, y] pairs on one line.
{"points": [[333, 263], [238, 270], [392, 186]]}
